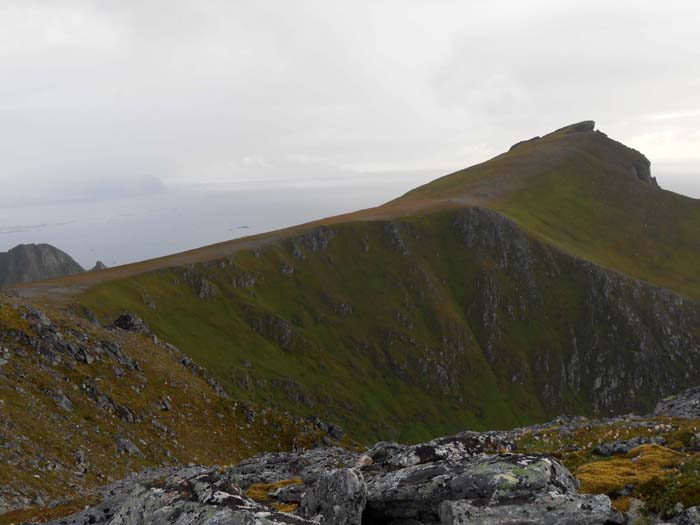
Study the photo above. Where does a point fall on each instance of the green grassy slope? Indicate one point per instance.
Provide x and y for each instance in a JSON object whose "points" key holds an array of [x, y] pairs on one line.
{"points": [[414, 328], [579, 192], [54, 451], [330, 337]]}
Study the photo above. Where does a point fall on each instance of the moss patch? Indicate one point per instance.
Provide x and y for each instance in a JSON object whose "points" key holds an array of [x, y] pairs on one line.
{"points": [[640, 465], [261, 491]]}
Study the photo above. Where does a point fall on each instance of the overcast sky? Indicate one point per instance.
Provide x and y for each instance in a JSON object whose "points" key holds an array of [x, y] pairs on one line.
{"points": [[102, 98]]}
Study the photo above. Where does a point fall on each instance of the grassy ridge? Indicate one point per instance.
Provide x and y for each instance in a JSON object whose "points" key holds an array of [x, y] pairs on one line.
{"points": [[645, 233], [579, 192], [395, 329]]}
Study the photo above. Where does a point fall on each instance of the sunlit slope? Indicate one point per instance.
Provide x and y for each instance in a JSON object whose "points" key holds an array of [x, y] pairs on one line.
{"points": [[592, 197]]}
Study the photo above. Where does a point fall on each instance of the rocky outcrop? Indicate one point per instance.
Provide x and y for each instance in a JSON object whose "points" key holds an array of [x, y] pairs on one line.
{"points": [[35, 262], [99, 265], [446, 481], [685, 404], [131, 323], [81, 405], [690, 516], [468, 478], [545, 509], [339, 496], [616, 331], [187, 496]]}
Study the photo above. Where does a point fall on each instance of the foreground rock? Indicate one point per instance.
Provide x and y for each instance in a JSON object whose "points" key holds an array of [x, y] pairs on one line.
{"points": [[187, 497], [468, 478], [338, 496], [450, 480], [547, 509]]}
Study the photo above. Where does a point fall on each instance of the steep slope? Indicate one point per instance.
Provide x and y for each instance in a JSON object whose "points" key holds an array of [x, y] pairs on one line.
{"points": [[410, 328], [593, 198], [35, 262], [81, 405], [501, 295]]}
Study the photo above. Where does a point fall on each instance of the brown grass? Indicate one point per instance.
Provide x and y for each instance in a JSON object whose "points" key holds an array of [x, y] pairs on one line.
{"points": [[638, 466], [261, 491]]}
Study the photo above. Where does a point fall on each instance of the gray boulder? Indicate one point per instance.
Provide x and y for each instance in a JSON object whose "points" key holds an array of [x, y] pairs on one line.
{"points": [[416, 492], [131, 323], [685, 404], [546, 509], [337, 498], [690, 516], [124, 446], [308, 465], [60, 399], [389, 455]]}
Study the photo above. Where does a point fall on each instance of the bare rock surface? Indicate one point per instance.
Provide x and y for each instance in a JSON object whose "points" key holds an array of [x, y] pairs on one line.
{"points": [[685, 404], [547, 509]]}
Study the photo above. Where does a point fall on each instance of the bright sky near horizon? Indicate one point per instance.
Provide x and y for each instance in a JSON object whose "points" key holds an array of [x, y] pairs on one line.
{"points": [[104, 99]]}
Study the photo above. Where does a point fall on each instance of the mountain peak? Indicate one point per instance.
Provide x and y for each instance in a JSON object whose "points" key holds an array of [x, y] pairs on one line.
{"points": [[574, 151], [35, 262]]}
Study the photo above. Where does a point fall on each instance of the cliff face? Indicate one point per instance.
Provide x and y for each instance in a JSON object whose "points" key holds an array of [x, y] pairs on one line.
{"points": [[35, 262], [588, 333]]}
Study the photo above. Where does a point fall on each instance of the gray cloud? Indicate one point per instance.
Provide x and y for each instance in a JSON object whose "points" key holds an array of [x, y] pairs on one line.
{"points": [[185, 91]]}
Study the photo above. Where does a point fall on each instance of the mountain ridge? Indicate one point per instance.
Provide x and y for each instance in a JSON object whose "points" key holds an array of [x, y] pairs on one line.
{"points": [[554, 279], [502, 184], [453, 297]]}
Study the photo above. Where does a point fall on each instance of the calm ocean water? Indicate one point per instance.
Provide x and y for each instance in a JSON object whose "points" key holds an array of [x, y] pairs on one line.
{"points": [[128, 229]]}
